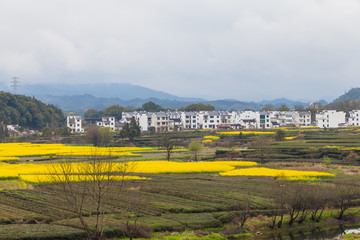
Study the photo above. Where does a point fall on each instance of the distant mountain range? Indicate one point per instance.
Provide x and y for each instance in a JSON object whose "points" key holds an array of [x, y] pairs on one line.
{"points": [[124, 91], [79, 97]]}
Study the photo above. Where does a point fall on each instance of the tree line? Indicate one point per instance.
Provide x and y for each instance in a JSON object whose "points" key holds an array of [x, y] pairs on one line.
{"points": [[28, 112]]}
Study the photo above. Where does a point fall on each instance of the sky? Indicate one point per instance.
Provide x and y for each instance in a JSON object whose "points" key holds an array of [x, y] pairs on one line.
{"points": [[224, 49]]}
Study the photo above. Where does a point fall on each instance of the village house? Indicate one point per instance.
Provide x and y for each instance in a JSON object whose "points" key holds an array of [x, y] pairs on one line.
{"points": [[74, 123], [354, 118], [107, 122], [330, 119]]}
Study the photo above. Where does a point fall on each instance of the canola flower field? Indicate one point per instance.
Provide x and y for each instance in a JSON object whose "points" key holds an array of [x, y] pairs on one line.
{"points": [[210, 139], [29, 171], [12, 151], [245, 132], [43, 173], [278, 173], [214, 138]]}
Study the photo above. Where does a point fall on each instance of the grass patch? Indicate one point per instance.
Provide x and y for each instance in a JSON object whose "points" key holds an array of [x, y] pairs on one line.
{"points": [[39, 231]]}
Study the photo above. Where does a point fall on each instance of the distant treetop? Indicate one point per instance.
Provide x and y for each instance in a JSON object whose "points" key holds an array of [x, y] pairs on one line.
{"points": [[198, 107], [152, 107]]}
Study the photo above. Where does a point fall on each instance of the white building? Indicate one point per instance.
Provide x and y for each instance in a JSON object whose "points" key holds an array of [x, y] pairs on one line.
{"points": [[161, 121], [246, 119], [190, 120], [74, 123], [107, 122], [264, 120], [304, 119], [142, 118], [354, 118], [330, 119]]}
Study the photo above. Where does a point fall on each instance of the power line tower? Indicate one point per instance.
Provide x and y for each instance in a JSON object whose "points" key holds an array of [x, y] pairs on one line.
{"points": [[15, 83]]}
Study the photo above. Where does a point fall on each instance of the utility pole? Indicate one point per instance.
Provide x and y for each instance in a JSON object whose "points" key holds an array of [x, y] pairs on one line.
{"points": [[15, 83]]}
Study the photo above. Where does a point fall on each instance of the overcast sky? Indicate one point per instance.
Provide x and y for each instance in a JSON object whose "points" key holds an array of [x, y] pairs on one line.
{"points": [[247, 50]]}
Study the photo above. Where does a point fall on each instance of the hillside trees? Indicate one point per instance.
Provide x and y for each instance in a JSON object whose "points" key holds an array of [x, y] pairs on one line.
{"points": [[93, 113], [3, 132], [29, 112], [267, 107], [130, 130], [114, 111], [99, 136], [283, 107], [152, 107], [198, 107]]}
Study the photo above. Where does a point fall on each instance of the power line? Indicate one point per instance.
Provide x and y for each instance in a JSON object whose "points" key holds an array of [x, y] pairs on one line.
{"points": [[15, 83]]}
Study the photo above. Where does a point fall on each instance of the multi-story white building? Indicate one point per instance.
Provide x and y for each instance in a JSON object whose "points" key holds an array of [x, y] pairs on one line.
{"points": [[264, 120], [190, 120], [175, 120], [161, 122], [304, 119], [247, 119], [107, 122], [142, 118], [330, 119], [354, 118], [74, 123], [168, 121]]}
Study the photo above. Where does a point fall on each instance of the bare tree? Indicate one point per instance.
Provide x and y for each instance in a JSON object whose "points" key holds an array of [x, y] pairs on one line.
{"points": [[278, 206], [261, 146], [243, 210], [345, 195], [319, 198], [167, 142], [91, 183]]}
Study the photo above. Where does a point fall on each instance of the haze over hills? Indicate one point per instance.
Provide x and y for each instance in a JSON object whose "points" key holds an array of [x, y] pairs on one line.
{"points": [[124, 91], [79, 97]]}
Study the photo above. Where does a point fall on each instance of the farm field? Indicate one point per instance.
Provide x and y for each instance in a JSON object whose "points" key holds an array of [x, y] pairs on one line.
{"points": [[235, 175]]}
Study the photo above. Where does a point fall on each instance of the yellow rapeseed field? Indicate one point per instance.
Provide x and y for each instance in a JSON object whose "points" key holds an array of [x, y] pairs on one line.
{"points": [[282, 174], [8, 158], [14, 170], [186, 167], [214, 138], [27, 149], [290, 138], [245, 132]]}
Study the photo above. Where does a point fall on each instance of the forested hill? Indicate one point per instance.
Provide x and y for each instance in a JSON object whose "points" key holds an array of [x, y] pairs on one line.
{"points": [[28, 112], [346, 102], [352, 94]]}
